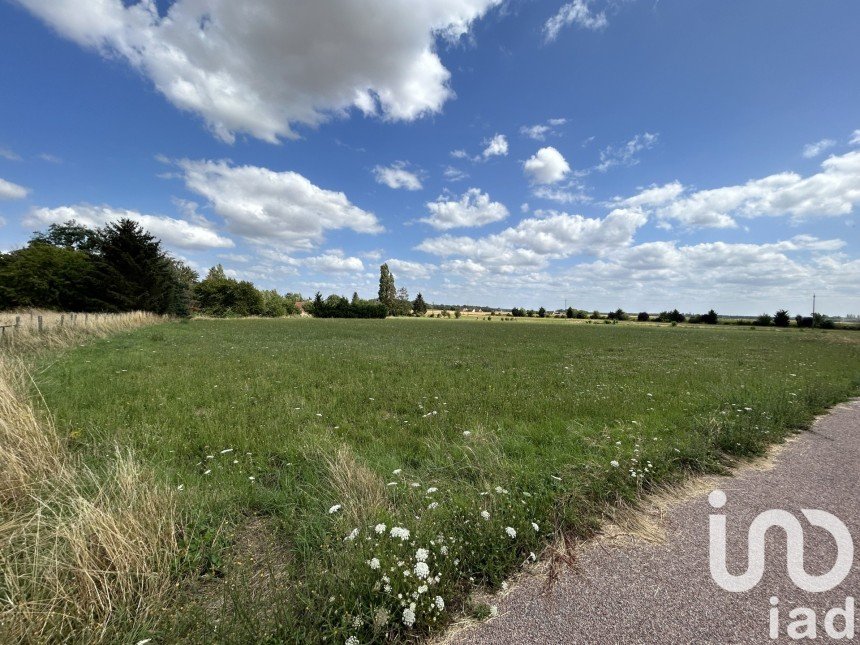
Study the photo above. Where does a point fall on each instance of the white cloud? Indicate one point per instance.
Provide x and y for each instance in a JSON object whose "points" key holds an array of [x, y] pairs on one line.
{"points": [[474, 208], [46, 156], [9, 155], [577, 13], [496, 147], [654, 195], [173, 232], [235, 257], [454, 174], [572, 193], [411, 270], [262, 67], [396, 176], [539, 131], [269, 207], [546, 166], [535, 241], [333, 262], [811, 150], [625, 155], [459, 154], [855, 138], [8, 190], [832, 192]]}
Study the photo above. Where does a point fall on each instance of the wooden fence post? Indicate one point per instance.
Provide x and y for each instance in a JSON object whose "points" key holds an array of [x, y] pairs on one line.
{"points": [[17, 322], [40, 323]]}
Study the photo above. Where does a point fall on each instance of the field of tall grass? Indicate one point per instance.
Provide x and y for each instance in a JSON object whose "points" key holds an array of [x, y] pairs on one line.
{"points": [[356, 481]]}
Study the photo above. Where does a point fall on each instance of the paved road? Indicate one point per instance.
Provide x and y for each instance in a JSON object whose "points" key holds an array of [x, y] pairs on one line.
{"points": [[664, 593]]}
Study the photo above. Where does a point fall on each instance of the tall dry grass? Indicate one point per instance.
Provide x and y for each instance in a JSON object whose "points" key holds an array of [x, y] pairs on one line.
{"points": [[64, 329], [84, 555]]}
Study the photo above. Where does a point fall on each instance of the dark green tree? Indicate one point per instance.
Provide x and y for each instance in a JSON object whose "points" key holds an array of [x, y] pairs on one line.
{"points": [[419, 307], [643, 316], [781, 318], [542, 312], [570, 313]]}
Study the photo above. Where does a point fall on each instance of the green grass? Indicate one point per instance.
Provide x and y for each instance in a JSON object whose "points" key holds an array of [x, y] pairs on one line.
{"points": [[322, 412]]}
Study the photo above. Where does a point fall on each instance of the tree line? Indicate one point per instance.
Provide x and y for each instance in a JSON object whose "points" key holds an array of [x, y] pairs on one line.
{"points": [[121, 267]]}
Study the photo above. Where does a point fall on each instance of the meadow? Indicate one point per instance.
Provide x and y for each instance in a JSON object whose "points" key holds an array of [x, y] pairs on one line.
{"points": [[357, 480]]}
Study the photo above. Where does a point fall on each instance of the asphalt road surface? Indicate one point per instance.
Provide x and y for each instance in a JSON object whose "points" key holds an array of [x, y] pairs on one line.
{"points": [[664, 593]]}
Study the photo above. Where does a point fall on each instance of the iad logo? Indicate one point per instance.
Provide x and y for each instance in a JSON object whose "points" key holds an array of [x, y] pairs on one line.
{"points": [[794, 536], [804, 626]]}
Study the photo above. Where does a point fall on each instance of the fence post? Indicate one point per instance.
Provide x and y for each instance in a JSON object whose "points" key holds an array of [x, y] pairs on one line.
{"points": [[17, 322], [40, 323], [62, 319]]}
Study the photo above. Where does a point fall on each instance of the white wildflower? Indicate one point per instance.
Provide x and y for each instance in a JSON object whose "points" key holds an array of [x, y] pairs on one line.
{"points": [[397, 471], [352, 535], [352, 640], [614, 463], [431, 490], [379, 528], [334, 509], [494, 611], [485, 515], [511, 531], [535, 526], [207, 472], [374, 563], [409, 616], [399, 532], [421, 555], [421, 570], [443, 550], [467, 433], [422, 589], [439, 602], [432, 505]]}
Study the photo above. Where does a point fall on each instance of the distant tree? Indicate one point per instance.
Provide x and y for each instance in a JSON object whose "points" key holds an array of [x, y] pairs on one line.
{"points": [[220, 296], [518, 312], [419, 307], [710, 318], [542, 312], [530, 313], [402, 294], [764, 320], [355, 299], [457, 313], [387, 289], [570, 313], [643, 316], [595, 315], [822, 322], [618, 314], [781, 318], [674, 316]]}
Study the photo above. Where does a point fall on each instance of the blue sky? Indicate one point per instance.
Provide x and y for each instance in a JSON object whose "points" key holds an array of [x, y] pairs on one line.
{"points": [[647, 155]]}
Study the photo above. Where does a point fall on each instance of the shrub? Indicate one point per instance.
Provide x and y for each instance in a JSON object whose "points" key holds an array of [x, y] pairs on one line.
{"points": [[764, 320], [643, 316], [339, 307], [781, 318], [542, 312], [569, 313]]}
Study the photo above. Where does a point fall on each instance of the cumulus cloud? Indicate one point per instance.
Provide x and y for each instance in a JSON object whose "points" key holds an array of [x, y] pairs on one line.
{"points": [[397, 176], [495, 147], [576, 13], [832, 192], [411, 270], [269, 207], [654, 195], [333, 262], [8, 190], [811, 150], [173, 232], [474, 208], [536, 240], [262, 67], [625, 154], [546, 166], [855, 138]]}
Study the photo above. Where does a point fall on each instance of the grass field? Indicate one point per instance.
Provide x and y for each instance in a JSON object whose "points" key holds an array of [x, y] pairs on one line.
{"points": [[289, 443]]}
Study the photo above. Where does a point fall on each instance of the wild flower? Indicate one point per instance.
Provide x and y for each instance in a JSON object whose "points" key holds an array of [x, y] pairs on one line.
{"points": [[535, 526], [397, 471], [421, 570], [511, 531], [485, 515], [357, 622], [439, 602], [421, 555], [399, 532], [352, 535], [614, 463], [352, 640], [532, 556], [381, 617], [467, 433], [422, 589], [373, 563], [207, 472], [443, 550], [334, 509], [432, 505], [409, 615], [431, 490], [226, 450], [379, 528], [501, 491], [494, 611]]}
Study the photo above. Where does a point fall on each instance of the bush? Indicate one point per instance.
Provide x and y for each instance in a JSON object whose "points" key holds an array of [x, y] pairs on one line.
{"points": [[339, 307], [618, 314], [542, 312], [781, 318], [643, 316], [765, 320], [674, 316]]}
